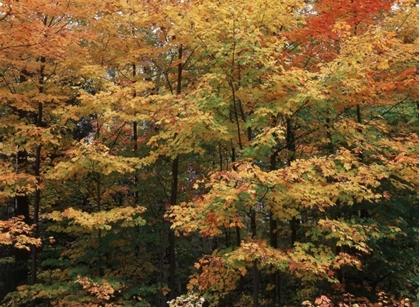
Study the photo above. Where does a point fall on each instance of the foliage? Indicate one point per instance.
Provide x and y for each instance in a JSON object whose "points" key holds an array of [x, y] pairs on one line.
{"points": [[191, 300], [243, 152], [15, 231]]}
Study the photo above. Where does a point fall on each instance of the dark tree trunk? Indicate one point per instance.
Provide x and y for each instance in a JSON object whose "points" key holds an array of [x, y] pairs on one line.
{"points": [[291, 146], [20, 269], [255, 272], [273, 240], [18, 273], [37, 202], [37, 196], [174, 194], [294, 223], [135, 147], [172, 255]]}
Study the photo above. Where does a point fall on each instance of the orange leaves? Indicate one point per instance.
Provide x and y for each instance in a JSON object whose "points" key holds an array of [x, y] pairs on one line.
{"points": [[316, 183], [17, 233], [305, 260], [368, 66], [35, 29], [323, 301], [16, 184], [208, 220], [230, 192], [354, 13], [103, 291], [215, 276]]}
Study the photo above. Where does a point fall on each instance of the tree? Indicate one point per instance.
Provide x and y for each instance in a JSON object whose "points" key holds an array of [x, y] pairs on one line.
{"points": [[36, 83], [341, 170], [273, 144]]}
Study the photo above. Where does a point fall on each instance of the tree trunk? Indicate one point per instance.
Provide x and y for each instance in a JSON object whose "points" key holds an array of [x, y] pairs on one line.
{"points": [[174, 194], [19, 270], [273, 240], [135, 148], [172, 255], [37, 202], [255, 272]]}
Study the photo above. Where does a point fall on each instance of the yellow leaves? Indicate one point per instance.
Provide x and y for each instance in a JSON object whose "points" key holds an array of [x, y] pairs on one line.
{"points": [[317, 184], [36, 136], [16, 183], [342, 28], [90, 156], [94, 72], [231, 191], [311, 262], [344, 259], [256, 250], [121, 100], [190, 217], [320, 182], [247, 16], [265, 141], [346, 234], [347, 166], [289, 90], [184, 129], [101, 220], [303, 260]]}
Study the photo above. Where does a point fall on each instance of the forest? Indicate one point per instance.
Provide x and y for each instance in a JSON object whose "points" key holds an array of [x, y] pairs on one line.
{"points": [[238, 153]]}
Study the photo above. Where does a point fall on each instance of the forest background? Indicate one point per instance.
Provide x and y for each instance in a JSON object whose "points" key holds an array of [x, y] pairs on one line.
{"points": [[253, 153]]}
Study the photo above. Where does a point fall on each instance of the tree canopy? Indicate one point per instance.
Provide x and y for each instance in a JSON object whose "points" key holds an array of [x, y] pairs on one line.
{"points": [[225, 153]]}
